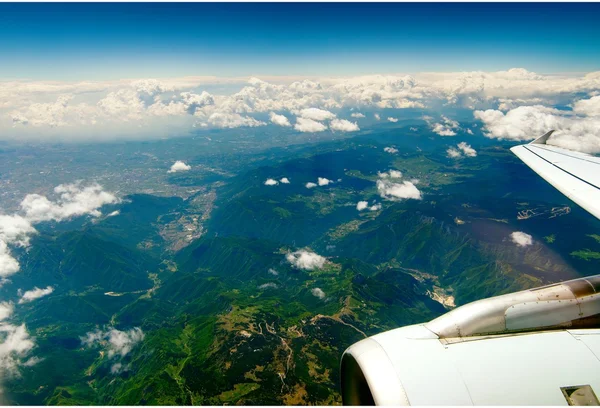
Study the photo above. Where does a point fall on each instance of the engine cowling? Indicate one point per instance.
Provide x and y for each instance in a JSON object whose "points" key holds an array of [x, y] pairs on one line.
{"points": [[436, 363]]}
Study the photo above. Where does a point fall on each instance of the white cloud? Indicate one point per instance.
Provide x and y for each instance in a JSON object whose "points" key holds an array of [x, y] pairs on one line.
{"points": [[575, 130], [6, 310], [285, 180], [269, 285], [343, 125], [391, 150], [309, 125], [357, 115], [74, 200], [311, 185], [317, 114], [35, 293], [467, 149], [463, 149], [15, 344], [318, 292], [446, 127], [377, 116], [521, 239], [390, 174], [322, 181], [273, 272], [393, 120], [588, 107], [91, 110], [392, 191], [116, 343], [15, 229], [362, 205], [14, 348], [179, 166], [114, 213], [375, 207], [306, 260], [232, 120], [271, 182], [8, 264], [453, 153], [279, 120]]}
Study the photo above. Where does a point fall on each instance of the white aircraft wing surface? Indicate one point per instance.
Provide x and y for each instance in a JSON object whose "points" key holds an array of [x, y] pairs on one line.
{"points": [[575, 174]]}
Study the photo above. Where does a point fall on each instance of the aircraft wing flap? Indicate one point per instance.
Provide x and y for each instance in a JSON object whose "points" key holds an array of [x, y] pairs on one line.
{"points": [[576, 175]]}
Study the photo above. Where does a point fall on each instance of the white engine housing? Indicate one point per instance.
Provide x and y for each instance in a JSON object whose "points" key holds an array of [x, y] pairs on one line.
{"points": [[535, 347]]}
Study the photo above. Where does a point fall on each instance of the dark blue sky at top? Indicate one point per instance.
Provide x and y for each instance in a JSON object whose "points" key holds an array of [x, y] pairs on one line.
{"points": [[131, 40]]}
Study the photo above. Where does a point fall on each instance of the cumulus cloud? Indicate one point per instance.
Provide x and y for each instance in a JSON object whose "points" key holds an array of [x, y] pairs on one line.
{"points": [[343, 125], [390, 174], [279, 120], [575, 130], [462, 149], [8, 264], [116, 343], [15, 344], [318, 292], [521, 239], [285, 180], [273, 272], [391, 150], [6, 310], [74, 200], [271, 182], [232, 120], [35, 293], [179, 166], [467, 149], [357, 115], [391, 189], [322, 181], [362, 205], [316, 114], [377, 116], [309, 125], [311, 185], [393, 120], [375, 207], [305, 260], [453, 153], [446, 127]]}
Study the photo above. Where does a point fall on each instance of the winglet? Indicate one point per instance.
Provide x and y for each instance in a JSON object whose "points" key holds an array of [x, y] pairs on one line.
{"points": [[542, 139]]}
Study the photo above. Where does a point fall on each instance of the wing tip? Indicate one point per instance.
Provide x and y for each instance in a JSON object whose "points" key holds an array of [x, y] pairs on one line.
{"points": [[542, 139]]}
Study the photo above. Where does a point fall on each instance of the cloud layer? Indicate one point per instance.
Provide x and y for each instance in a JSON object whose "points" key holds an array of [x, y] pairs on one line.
{"points": [[142, 108]]}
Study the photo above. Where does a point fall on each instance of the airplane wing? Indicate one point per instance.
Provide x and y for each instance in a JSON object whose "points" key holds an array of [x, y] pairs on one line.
{"points": [[575, 174]]}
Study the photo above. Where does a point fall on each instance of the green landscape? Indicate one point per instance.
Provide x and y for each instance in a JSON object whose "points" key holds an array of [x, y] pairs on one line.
{"points": [[246, 293]]}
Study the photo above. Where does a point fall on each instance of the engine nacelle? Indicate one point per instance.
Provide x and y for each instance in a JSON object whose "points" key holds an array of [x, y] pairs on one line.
{"points": [[534, 347]]}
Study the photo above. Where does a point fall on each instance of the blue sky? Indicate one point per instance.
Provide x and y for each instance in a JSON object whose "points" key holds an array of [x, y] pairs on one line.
{"points": [[112, 40]]}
